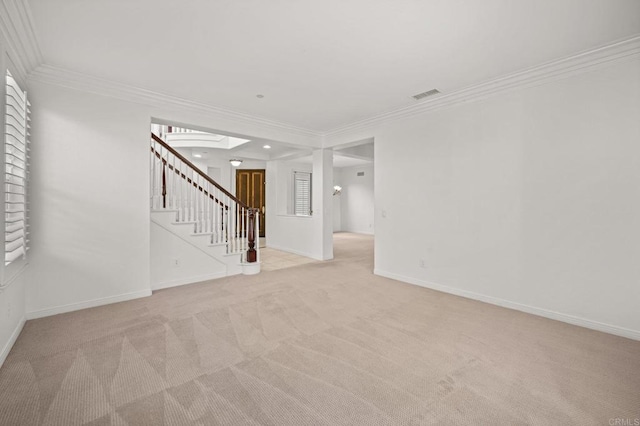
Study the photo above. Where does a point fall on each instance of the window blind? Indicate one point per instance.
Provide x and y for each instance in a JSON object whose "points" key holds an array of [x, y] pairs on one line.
{"points": [[302, 193], [16, 164]]}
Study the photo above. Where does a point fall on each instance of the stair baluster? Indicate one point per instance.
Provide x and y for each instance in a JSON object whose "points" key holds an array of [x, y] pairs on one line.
{"points": [[178, 184]]}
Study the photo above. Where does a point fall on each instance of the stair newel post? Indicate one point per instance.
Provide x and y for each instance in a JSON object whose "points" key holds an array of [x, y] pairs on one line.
{"points": [[252, 255]]}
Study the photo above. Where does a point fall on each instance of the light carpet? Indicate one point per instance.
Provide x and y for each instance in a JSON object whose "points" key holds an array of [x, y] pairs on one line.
{"points": [[325, 343], [272, 259]]}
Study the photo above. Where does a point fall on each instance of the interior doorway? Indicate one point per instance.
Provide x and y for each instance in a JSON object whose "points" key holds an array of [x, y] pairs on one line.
{"points": [[250, 189]]}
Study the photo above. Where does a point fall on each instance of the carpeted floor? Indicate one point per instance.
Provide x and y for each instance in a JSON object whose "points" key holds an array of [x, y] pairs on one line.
{"points": [[272, 259], [324, 343]]}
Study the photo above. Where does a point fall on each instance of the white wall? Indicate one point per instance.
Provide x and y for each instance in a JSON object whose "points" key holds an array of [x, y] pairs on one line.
{"points": [[90, 195], [12, 277], [337, 202], [285, 231], [90, 200], [218, 161], [193, 265], [357, 199], [12, 312], [530, 199], [322, 202], [309, 236]]}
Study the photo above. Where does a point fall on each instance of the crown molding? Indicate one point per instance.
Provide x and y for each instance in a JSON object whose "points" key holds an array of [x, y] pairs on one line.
{"points": [[551, 71], [84, 82], [18, 30]]}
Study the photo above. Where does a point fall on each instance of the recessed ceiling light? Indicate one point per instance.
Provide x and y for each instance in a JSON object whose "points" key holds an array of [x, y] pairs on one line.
{"points": [[197, 155], [260, 96], [267, 147]]}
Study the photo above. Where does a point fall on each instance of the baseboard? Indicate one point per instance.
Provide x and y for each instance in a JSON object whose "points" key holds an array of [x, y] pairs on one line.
{"points": [[367, 232], [185, 281], [88, 304], [288, 250], [12, 340], [558, 316]]}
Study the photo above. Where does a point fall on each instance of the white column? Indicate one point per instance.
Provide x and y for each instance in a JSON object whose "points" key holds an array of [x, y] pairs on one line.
{"points": [[322, 201], [272, 203]]}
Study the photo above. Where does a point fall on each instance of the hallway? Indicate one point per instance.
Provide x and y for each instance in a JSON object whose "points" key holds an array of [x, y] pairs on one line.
{"points": [[347, 247]]}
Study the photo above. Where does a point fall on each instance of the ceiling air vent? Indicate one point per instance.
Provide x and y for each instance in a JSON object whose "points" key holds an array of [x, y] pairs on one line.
{"points": [[426, 94]]}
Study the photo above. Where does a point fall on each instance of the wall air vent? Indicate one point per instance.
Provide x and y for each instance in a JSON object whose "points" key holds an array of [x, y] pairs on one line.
{"points": [[426, 94], [360, 173]]}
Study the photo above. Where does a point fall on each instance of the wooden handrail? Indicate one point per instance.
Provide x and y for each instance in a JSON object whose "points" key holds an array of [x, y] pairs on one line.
{"points": [[193, 166], [243, 221], [183, 176]]}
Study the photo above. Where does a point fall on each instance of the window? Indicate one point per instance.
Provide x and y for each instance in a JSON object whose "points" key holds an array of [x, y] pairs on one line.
{"points": [[302, 193], [16, 142]]}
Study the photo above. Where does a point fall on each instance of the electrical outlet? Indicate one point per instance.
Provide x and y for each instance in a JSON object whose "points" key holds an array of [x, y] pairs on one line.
{"points": [[176, 262], [421, 263]]}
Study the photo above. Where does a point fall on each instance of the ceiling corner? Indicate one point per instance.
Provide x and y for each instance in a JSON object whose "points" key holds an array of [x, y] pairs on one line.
{"points": [[16, 24]]}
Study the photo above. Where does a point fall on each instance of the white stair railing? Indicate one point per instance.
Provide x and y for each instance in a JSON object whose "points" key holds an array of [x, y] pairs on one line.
{"points": [[177, 184]]}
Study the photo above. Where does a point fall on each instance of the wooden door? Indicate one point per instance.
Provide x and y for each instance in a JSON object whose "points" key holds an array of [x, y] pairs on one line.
{"points": [[250, 189]]}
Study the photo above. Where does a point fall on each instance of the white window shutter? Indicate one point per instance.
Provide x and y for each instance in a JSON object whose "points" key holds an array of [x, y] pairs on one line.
{"points": [[302, 193], [16, 176]]}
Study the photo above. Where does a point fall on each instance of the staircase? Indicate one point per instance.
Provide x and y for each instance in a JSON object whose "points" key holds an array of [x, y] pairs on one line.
{"points": [[192, 206]]}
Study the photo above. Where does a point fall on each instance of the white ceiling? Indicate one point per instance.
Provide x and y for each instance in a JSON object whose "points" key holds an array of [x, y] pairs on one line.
{"points": [[254, 150], [251, 150], [319, 64]]}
